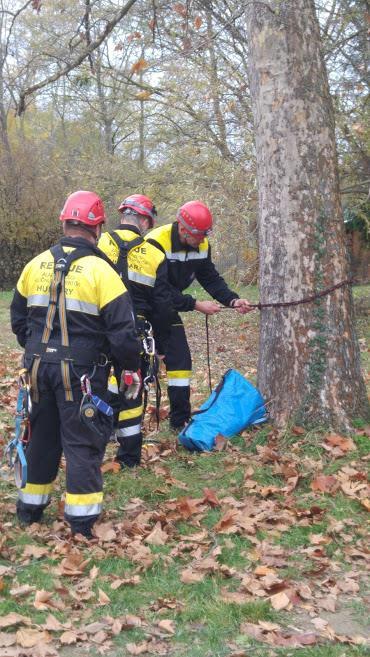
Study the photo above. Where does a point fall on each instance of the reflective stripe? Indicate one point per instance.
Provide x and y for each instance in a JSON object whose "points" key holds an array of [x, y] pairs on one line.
{"points": [[193, 255], [130, 413], [179, 383], [37, 500], [141, 278], [83, 509], [83, 504], [178, 374], [182, 256], [38, 300], [82, 306], [71, 304], [37, 494], [128, 431]]}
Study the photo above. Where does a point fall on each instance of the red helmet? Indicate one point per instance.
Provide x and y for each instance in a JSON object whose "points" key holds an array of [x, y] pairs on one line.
{"points": [[85, 208], [195, 217], [140, 204]]}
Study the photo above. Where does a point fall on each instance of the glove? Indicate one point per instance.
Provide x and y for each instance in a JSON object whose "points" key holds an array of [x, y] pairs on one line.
{"points": [[130, 383]]}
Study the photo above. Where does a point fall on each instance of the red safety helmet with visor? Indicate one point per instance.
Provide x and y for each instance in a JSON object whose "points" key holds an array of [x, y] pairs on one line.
{"points": [[195, 218], [141, 205]]}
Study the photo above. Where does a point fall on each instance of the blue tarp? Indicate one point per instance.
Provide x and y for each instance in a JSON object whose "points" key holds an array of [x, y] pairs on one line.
{"points": [[234, 405]]}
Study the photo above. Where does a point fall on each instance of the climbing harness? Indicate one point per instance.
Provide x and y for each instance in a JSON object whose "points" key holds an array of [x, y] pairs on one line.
{"points": [[15, 450], [61, 353]]}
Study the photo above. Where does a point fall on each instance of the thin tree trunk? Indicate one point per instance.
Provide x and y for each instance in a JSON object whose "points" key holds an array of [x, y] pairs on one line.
{"points": [[142, 127], [309, 363], [215, 92]]}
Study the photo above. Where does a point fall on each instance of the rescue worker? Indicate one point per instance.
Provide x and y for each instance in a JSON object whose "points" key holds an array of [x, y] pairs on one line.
{"points": [[143, 268], [188, 254], [72, 313]]}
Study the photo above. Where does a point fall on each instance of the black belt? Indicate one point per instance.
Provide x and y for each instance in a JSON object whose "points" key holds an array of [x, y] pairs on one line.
{"points": [[52, 353]]}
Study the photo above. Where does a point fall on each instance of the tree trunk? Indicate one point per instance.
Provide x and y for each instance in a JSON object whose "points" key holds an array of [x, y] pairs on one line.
{"points": [[142, 126], [221, 139], [309, 362]]}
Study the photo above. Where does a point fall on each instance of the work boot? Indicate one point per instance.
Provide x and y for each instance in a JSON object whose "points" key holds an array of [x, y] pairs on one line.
{"points": [[27, 515], [82, 527]]}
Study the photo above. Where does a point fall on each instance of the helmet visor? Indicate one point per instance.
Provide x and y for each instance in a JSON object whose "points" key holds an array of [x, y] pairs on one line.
{"points": [[141, 209]]}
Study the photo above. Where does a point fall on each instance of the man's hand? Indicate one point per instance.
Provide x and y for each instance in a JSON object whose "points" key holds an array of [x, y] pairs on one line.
{"points": [[241, 306], [207, 307], [130, 383]]}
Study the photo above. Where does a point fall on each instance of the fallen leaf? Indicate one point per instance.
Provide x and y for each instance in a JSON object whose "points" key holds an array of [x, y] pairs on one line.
{"points": [[157, 536], [21, 591], [167, 625], [345, 444], [220, 443], [137, 648], [127, 581], [14, 619], [280, 601], [7, 639], [189, 576], [68, 637], [235, 597], [227, 523], [103, 598], [325, 484], [105, 531], [110, 466], [210, 497], [27, 638], [35, 551]]}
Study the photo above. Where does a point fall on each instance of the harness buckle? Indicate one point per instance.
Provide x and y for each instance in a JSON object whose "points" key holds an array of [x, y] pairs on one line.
{"points": [[60, 264]]}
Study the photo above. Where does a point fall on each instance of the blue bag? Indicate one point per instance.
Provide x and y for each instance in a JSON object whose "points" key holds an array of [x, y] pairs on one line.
{"points": [[234, 405]]}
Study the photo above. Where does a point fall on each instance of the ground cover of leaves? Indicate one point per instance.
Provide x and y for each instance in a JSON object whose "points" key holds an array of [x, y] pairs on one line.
{"points": [[259, 548]]}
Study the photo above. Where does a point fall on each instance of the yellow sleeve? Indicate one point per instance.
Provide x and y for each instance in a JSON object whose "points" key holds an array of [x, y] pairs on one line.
{"points": [[109, 285], [23, 280]]}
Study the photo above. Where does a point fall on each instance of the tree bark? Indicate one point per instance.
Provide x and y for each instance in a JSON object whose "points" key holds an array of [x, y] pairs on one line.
{"points": [[309, 361]]}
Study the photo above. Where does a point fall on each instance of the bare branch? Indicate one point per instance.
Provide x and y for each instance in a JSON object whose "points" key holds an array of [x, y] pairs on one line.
{"points": [[76, 62]]}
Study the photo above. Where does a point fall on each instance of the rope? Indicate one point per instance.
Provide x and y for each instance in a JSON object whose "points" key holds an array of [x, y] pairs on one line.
{"points": [[279, 304], [208, 356], [313, 297]]}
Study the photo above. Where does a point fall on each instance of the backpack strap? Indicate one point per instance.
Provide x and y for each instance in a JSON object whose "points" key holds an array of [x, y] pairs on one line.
{"points": [[124, 247], [57, 300]]}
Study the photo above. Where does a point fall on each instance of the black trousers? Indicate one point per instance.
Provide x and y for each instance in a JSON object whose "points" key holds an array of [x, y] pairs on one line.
{"points": [[178, 365], [56, 428]]}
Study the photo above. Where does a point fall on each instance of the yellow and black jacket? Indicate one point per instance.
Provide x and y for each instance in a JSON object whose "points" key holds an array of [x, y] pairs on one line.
{"points": [[185, 264], [147, 275], [98, 306]]}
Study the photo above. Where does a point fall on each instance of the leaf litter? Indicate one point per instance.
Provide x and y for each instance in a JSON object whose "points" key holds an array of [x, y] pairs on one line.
{"points": [[328, 567]]}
